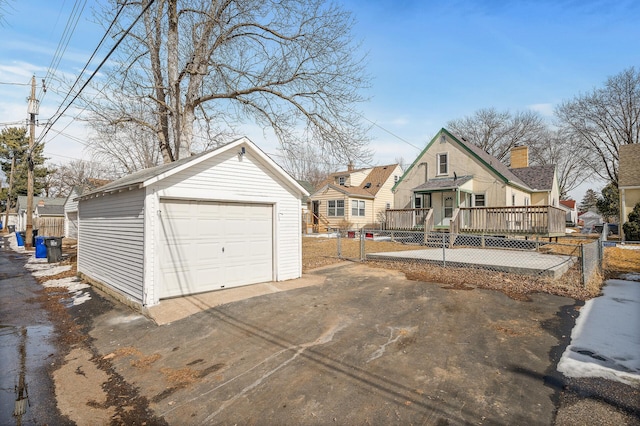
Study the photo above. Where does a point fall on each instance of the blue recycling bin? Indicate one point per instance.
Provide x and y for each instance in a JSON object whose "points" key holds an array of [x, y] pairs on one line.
{"points": [[41, 248], [20, 239]]}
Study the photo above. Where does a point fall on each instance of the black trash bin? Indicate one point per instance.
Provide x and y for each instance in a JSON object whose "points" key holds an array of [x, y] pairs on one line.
{"points": [[11, 228], [34, 233], [54, 249]]}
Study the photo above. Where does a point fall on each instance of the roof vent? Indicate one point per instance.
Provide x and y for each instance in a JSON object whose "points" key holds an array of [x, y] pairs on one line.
{"points": [[367, 185]]}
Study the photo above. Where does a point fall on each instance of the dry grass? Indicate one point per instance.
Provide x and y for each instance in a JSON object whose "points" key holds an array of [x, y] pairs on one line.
{"points": [[618, 259], [317, 252], [180, 377]]}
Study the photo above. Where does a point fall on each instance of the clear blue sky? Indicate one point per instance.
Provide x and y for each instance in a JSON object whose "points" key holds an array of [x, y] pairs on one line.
{"points": [[429, 61]]}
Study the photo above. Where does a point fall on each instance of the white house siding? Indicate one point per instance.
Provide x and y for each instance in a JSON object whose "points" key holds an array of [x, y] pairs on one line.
{"points": [[71, 215], [230, 178], [110, 243]]}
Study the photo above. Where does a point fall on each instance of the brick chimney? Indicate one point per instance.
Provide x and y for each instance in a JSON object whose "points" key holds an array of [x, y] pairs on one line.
{"points": [[350, 166], [519, 157]]}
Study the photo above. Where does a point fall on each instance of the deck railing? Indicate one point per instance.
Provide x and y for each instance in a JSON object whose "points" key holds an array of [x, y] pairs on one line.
{"points": [[513, 220], [524, 220], [405, 219]]}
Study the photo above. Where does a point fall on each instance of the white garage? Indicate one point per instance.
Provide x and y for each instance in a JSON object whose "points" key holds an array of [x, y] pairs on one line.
{"points": [[225, 218]]}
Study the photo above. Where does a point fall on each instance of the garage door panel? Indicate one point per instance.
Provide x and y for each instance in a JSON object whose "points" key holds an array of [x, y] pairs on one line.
{"points": [[208, 246]]}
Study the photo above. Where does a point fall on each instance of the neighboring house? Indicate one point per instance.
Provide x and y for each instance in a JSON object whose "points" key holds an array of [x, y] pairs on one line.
{"points": [[224, 218], [628, 179], [306, 206], [48, 207], [451, 173], [571, 209], [355, 197], [589, 219]]}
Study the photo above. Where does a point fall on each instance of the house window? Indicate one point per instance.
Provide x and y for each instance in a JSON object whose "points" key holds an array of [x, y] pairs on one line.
{"points": [[342, 180], [395, 178], [478, 200], [388, 206], [335, 208], [418, 202], [526, 201], [443, 164], [357, 208], [513, 199], [448, 207]]}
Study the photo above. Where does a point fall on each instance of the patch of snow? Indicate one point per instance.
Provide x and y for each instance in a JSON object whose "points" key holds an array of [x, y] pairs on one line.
{"points": [[54, 270], [605, 341], [77, 298], [569, 231], [629, 246], [631, 277], [70, 283]]}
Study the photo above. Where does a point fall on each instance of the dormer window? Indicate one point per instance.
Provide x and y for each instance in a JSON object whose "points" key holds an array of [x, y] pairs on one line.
{"points": [[342, 180], [443, 163]]}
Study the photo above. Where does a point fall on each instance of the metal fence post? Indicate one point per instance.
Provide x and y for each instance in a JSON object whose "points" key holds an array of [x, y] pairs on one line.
{"points": [[583, 274], [339, 245], [444, 257], [362, 241]]}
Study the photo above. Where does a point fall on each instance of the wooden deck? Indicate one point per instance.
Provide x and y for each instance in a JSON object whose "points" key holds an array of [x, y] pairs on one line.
{"points": [[545, 221]]}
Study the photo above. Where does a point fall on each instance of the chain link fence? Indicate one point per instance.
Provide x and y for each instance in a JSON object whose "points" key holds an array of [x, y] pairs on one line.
{"points": [[574, 260]]}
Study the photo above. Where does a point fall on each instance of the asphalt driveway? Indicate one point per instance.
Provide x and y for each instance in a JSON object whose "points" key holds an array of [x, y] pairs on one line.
{"points": [[363, 346]]}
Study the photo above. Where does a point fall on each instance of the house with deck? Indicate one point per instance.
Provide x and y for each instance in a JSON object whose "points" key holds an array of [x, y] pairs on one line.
{"points": [[456, 186], [629, 180], [354, 198]]}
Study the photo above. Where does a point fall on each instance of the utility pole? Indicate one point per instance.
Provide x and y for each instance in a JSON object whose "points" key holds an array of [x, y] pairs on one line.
{"points": [[33, 111], [6, 209]]}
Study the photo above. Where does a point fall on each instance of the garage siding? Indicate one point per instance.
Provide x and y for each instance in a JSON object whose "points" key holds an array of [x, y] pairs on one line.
{"points": [[71, 215], [110, 243], [228, 177]]}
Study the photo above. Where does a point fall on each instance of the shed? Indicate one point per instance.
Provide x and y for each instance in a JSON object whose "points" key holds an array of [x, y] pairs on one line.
{"points": [[224, 218]]}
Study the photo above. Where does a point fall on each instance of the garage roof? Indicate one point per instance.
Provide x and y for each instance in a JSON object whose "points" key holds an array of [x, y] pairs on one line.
{"points": [[151, 175]]}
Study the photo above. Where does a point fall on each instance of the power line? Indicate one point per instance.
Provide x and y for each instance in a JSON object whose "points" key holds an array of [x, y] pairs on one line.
{"points": [[63, 43], [56, 118], [95, 51]]}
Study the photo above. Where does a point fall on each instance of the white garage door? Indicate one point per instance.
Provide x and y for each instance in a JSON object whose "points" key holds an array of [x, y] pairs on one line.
{"points": [[207, 246]]}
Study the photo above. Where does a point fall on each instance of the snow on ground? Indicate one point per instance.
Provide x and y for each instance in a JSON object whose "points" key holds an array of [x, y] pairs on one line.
{"points": [[605, 341], [42, 268]]}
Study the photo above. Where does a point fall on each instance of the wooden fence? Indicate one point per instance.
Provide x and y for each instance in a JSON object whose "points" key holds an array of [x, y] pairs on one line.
{"points": [[49, 226]]}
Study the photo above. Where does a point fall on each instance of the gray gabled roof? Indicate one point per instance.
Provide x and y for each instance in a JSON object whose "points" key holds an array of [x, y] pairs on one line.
{"points": [[538, 178], [51, 210], [143, 175], [49, 201], [442, 184], [629, 168]]}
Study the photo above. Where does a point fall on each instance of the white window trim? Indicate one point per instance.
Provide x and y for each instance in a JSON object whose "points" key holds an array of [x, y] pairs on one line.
{"points": [[360, 208], [484, 199], [438, 172], [335, 208]]}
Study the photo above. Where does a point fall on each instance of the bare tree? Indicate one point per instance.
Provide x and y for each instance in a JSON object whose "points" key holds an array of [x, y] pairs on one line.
{"points": [[603, 120], [307, 163], [558, 147], [498, 132], [63, 177], [127, 147], [201, 68]]}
